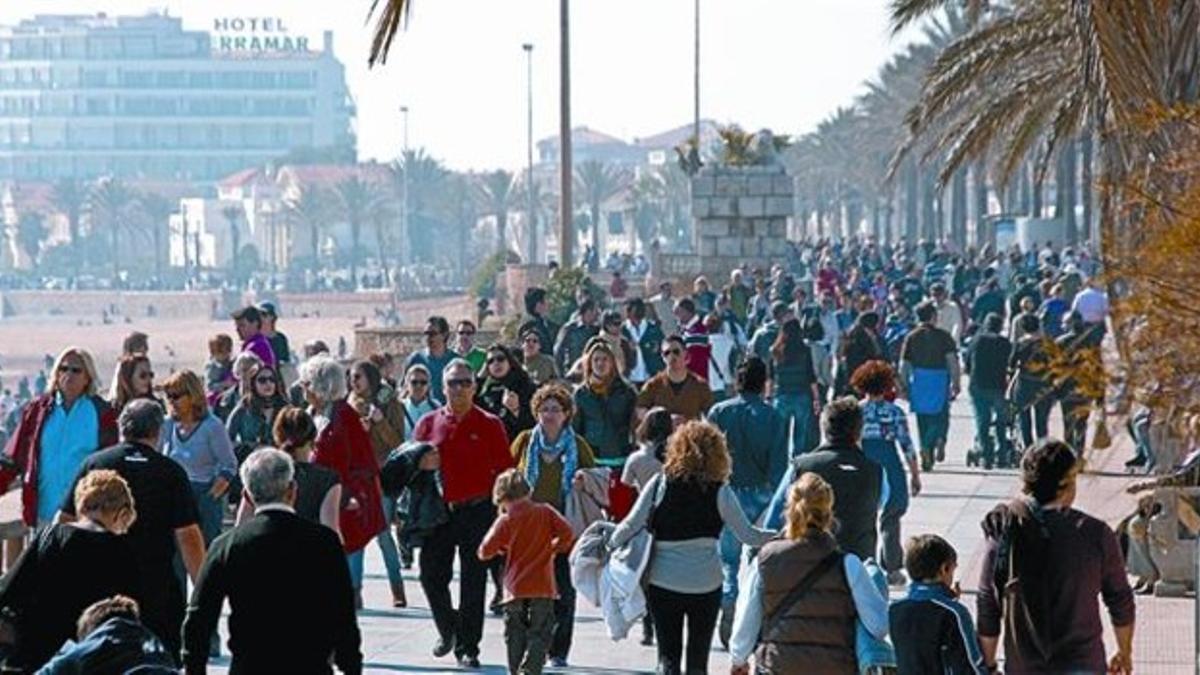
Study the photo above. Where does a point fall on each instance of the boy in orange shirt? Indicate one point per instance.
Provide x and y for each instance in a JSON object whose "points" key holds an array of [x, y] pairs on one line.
{"points": [[529, 535]]}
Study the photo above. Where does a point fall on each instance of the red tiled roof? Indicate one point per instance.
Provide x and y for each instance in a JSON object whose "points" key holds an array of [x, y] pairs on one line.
{"points": [[239, 178]]}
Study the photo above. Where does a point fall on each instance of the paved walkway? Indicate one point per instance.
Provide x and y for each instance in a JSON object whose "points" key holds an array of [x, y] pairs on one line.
{"points": [[954, 500]]}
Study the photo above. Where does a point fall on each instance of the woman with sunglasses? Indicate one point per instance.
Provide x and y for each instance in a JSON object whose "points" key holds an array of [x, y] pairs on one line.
{"points": [[549, 456], [538, 364], [505, 390], [382, 417], [135, 379], [198, 441], [251, 421], [56, 432]]}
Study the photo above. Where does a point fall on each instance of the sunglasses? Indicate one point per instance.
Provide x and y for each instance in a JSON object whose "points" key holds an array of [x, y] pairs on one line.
{"points": [[74, 370], [264, 380], [531, 338], [419, 383], [147, 376], [672, 352], [176, 395], [458, 383], [496, 359]]}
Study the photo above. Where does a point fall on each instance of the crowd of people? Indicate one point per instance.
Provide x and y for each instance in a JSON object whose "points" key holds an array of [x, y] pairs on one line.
{"points": [[751, 442]]}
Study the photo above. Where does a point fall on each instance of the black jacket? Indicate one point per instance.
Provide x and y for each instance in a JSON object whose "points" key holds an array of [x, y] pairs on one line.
{"points": [[290, 598], [856, 481], [115, 647], [418, 493], [649, 346]]}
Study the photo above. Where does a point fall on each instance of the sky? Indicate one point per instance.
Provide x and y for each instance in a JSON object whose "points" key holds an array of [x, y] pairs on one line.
{"points": [[460, 68]]}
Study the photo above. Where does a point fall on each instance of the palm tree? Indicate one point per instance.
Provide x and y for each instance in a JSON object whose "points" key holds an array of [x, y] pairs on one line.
{"points": [[232, 214], [543, 202], [426, 182], [111, 205], [383, 218], [70, 196], [596, 183], [157, 210], [649, 207], [494, 190], [357, 199], [309, 210], [31, 232]]}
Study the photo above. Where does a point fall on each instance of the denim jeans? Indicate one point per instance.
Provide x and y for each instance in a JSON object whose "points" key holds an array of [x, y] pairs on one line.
{"points": [[797, 412], [753, 500], [991, 415], [891, 546], [355, 561], [387, 545], [210, 511]]}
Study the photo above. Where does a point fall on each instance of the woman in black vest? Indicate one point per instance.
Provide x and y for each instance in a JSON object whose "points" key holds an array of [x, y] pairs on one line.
{"points": [[686, 508], [800, 600]]}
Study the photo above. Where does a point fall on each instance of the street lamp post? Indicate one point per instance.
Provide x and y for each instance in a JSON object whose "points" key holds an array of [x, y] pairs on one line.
{"points": [[696, 80], [404, 239], [528, 47], [566, 172]]}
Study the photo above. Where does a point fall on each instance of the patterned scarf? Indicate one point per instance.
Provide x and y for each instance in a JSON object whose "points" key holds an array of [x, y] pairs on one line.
{"points": [[564, 450]]}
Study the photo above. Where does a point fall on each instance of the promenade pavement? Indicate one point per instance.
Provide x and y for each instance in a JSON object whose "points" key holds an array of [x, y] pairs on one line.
{"points": [[954, 500]]}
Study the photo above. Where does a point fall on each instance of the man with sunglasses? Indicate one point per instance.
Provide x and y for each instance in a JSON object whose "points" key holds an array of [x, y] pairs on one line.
{"points": [[472, 449], [466, 346], [436, 354], [677, 389]]}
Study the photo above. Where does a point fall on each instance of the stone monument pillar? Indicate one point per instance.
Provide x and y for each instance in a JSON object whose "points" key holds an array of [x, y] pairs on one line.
{"points": [[741, 216]]}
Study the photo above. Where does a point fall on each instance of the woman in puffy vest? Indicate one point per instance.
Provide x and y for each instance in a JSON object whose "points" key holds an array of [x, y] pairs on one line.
{"points": [[798, 606]]}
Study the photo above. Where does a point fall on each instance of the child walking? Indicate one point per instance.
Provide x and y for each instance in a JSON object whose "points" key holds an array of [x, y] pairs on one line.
{"points": [[529, 535], [931, 630]]}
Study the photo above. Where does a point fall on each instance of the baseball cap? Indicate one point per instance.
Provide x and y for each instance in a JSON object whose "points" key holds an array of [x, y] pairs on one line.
{"points": [[268, 308]]}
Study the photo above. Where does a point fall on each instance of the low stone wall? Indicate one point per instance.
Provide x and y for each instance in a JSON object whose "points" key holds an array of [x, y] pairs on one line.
{"points": [[367, 304], [403, 341], [166, 304]]}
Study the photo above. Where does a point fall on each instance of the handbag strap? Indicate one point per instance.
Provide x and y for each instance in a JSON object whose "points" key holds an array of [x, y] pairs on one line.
{"points": [[801, 589]]}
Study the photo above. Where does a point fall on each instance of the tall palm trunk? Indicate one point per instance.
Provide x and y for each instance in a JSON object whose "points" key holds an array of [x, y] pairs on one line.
{"points": [[982, 232], [958, 207], [1086, 178], [911, 201]]}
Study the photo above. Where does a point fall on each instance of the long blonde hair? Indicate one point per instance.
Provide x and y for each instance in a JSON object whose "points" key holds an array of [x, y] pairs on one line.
{"points": [[697, 451], [809, 507], [89, 369]]}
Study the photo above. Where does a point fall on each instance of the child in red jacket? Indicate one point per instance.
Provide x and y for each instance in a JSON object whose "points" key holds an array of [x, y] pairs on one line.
{"points": [[529, 535]]}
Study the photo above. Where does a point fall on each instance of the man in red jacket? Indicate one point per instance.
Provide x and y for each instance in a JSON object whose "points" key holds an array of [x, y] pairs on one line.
{"points": [[472, 449]]}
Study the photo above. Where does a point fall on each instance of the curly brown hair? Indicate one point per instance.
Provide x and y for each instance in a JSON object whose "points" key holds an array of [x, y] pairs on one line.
{"points": [[697, 451], [553, 391], [874, 378]]}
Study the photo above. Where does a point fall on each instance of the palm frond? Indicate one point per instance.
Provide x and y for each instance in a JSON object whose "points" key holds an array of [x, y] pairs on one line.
{"points": [[392, 18]]}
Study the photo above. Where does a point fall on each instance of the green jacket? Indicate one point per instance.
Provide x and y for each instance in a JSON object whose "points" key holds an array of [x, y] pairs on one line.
{"points": [[606, 422]]}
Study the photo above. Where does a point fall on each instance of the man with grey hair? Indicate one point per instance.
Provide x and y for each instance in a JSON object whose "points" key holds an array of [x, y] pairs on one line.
{"points": [[472, 449], [167, 517], [291, 604]]}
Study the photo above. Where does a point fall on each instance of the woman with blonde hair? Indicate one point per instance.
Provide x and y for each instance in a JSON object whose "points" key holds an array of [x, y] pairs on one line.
{"points": [[198, 441], [685, 509], [134, 379], [70, 566], [56, 432], [801, 598]]}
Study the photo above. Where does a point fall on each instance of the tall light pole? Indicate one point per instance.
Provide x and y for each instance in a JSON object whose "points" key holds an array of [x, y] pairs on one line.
{"points": [[404, 238], [696, 81], [528, 47], [566, 173]]}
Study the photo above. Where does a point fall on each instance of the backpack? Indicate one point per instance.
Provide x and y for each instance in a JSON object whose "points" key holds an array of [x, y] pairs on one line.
{"points": [[1021, 586]]}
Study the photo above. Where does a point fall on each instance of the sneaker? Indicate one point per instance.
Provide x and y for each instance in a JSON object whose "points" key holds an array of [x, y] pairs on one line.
{"points": [[471, 662], [558, 662]]}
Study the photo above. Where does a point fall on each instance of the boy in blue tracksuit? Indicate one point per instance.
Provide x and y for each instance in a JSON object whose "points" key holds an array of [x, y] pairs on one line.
{"points": [[930, 629]]}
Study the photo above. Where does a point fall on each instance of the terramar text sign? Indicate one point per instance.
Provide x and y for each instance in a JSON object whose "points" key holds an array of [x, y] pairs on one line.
{"points": [[255, 34]]}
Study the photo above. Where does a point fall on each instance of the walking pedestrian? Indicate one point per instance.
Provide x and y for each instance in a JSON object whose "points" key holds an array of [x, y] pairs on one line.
{"points": [[756, 435], [988, 356], [686, 508], [436, 354], [804, 594], [676, 388], [795, 389], [930, 372], [284, 617], [885, 438], [472, 450]]}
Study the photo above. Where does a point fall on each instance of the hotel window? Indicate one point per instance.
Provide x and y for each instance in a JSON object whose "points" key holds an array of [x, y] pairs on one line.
{"points": [[200, 80]]}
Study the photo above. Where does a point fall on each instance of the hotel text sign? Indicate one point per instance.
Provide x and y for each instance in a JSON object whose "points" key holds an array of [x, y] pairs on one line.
{"points": [[255, 34]]}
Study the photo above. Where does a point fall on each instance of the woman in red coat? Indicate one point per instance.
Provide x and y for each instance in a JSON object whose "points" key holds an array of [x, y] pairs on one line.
{"points": [[344, 446]]}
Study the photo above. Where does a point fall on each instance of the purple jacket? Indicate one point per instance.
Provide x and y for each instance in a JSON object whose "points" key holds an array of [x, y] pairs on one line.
{"points": [[260, 346]]}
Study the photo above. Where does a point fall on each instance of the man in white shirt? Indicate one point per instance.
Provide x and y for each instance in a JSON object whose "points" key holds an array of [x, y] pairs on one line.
{"points": [[1092, 305], [949, 315]]}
